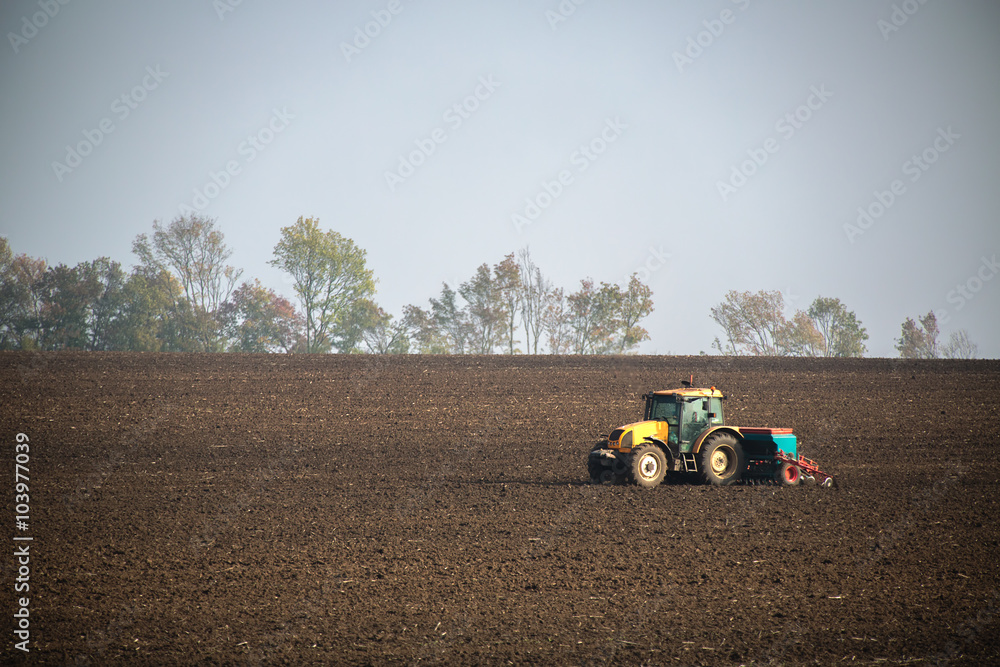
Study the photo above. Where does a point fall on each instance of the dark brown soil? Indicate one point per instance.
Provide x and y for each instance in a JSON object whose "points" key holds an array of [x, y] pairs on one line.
{"points": [[192, 509]]}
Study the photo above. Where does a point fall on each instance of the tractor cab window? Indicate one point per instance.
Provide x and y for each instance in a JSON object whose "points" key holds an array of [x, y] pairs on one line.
{"points": [[715, 406], [662, 408], [694, 418]]}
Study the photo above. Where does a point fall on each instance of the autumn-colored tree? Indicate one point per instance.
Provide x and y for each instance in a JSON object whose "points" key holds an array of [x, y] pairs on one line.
{"points": [[8, 295], [257, 319], [20, 298], [196, 252], [919, 341], [754, 323], [555, 321], [329, 275], [799, 337], [22, 294]]}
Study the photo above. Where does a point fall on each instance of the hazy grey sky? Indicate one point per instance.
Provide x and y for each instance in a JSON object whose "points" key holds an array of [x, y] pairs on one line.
{"points": [[737, 137]]}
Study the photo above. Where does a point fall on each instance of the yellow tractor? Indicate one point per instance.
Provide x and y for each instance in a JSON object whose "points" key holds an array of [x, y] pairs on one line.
{"points": [[684, 431]]}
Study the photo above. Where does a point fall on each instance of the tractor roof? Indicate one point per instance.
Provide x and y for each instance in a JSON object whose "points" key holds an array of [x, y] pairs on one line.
{"points": [[690, 392]]}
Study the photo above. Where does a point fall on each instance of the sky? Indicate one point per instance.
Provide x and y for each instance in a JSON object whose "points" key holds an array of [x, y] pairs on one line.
{"points": [[841, 149]]}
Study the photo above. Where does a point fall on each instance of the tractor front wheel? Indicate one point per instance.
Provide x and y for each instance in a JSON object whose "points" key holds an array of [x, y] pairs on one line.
{"points": [[649, 466], [722, 462], [595, 466]]}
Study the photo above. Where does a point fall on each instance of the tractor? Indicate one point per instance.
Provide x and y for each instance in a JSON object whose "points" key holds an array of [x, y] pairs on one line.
{"points": [[684, 431]]}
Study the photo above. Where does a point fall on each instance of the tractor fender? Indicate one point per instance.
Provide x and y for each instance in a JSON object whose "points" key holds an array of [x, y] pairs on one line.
{"points": [[696, 446]]}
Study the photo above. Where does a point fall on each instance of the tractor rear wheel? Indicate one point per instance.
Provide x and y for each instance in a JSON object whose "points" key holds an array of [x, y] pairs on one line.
{"points": [[649, 466], [721, 461]]}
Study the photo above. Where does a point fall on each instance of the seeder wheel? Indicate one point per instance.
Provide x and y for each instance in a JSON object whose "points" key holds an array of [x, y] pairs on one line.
{"points": [[788, 474]]}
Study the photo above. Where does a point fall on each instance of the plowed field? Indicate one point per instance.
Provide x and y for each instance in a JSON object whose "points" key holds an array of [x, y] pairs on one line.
{"points": [[229, 509]]}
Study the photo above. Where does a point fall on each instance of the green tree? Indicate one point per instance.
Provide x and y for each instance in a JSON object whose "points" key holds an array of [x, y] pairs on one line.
{"points": [[423, 330], [68, 295], [919, 341], [635, 304], [452, 321], [841, 331], [109, 304], [149, 297], [484, 310], [507, 276], [594, 317], [329, 275]]}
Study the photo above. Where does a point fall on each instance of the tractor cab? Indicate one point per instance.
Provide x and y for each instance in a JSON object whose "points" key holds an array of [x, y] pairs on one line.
{"points": [[688, 413]]}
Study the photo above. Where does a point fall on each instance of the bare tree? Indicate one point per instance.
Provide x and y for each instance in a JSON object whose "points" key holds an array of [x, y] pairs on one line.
{"points": [[534, 290], [960, 346]]}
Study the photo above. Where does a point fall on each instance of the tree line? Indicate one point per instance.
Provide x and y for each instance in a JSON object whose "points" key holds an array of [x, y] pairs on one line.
{"points": [[183, 295], [755, 324]]}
